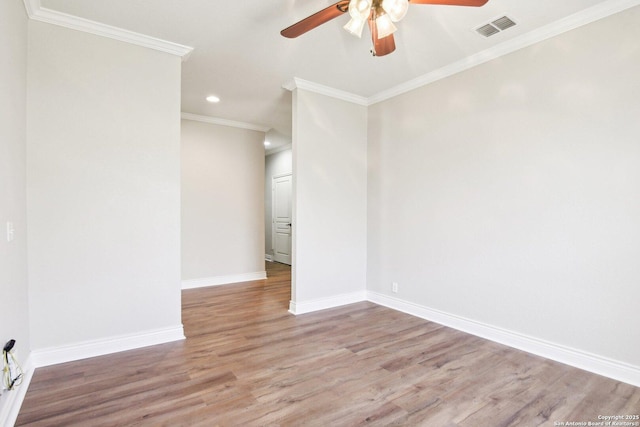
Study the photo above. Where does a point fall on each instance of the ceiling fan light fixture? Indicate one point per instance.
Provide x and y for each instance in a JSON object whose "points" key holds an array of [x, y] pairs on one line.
{"points": [[355, 26], [359, 9], [379, 14], [396, 9], [384, 26]]}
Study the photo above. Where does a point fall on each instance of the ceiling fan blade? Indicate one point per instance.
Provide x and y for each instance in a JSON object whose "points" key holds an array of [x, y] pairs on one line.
{"points": [[476, 3], [383, 46], [315, 20]]}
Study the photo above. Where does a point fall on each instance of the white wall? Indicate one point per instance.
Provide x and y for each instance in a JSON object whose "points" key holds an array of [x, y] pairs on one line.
{"points": [[275, 164], [103, 188], [330, 201], [509, 194], [14, 310], [222, 202]]}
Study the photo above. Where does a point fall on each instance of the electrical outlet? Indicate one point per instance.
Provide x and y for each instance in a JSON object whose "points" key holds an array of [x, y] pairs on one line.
{"points": [[394, 287]]}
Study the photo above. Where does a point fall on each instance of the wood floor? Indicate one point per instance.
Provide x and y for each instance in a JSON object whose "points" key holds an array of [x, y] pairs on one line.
{"points": [[248, 362]]}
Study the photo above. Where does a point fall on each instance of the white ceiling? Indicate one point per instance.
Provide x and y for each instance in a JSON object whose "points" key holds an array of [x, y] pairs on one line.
{"points": [[240, 55]]}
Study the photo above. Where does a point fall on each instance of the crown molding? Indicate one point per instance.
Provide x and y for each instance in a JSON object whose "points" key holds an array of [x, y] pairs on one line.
{"points": [[298, 83], [31, 6], [564, 25], [224, 122], [38, 13], [569, 23]]}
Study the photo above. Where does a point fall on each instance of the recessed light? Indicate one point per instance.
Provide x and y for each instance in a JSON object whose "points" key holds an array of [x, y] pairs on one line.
{"points": [[267, 143], [213, 99]]}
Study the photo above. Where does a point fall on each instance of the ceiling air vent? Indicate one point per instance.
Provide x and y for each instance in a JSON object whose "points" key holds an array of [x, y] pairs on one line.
{"points": [[503, 23], [487, 30], [495, 26]]}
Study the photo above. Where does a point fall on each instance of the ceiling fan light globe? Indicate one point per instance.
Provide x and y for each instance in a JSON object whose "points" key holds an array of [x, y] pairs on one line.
{"points": [[359, 9], [384, 26], [396, 9], [355, 26]]}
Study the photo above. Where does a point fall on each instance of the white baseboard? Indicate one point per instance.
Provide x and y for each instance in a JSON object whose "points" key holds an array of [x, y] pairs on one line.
{"points": [[302, 307], [100, 347], [223, 280], [268, 257], [580, 359], [11, 401]]}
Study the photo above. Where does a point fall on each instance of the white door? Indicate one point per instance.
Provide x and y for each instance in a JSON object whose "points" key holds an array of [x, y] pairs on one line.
{"points": [[282, 219]]}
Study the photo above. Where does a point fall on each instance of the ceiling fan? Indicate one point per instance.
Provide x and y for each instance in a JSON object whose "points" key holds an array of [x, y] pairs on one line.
{"points": [[379, 14]]}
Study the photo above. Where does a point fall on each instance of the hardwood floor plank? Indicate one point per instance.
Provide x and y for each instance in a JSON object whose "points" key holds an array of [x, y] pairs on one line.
{"points": [[248, 362]]}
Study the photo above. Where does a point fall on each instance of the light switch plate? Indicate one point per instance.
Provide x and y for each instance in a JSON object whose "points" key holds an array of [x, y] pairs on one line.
{"points": [[10, 231]]}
